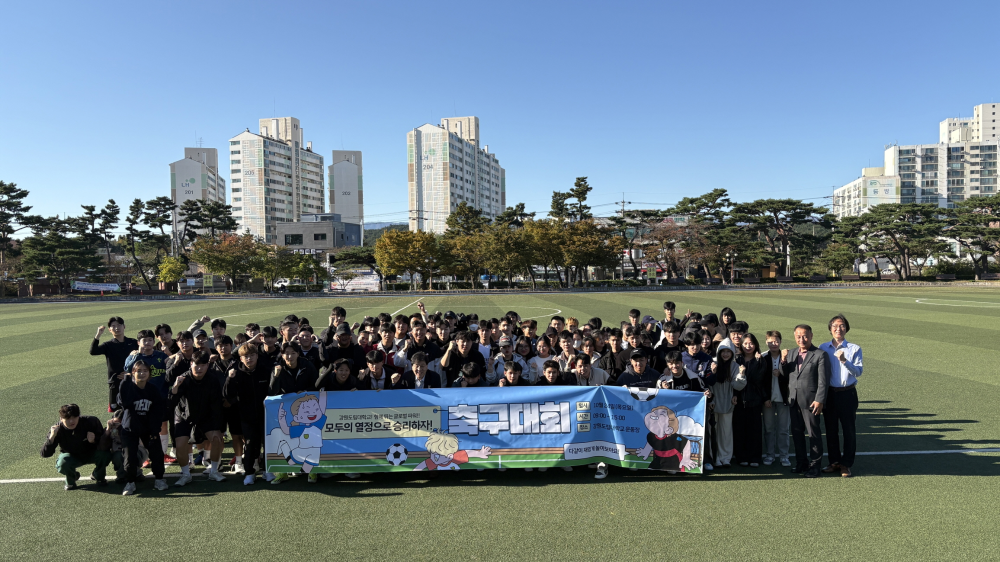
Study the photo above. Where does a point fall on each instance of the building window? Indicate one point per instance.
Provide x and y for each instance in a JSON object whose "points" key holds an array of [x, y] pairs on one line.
{"points": [[319, 236], [293, 240], [234, 143]]}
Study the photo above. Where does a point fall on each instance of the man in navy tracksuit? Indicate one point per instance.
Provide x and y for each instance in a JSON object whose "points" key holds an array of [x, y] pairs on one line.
{"points": [[143, 406], [247, 385]]}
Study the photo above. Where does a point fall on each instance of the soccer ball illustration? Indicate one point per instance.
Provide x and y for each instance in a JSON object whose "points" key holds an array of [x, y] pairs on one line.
{"points": [[396, 454], [642, 394]]}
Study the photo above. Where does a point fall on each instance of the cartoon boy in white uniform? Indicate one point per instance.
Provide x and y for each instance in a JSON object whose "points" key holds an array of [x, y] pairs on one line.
{"points": [[444, 453], [305, 436]]}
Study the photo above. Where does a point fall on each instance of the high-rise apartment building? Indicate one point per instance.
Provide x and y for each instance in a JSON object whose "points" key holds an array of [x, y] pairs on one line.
{"points": [[196, 176], [961, 165], [275, 176], [346, 186], [446, 166]]}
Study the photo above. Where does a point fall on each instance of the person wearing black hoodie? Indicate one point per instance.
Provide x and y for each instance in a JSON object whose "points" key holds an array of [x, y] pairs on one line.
{"points": [[197, 400], [143, 406], [115, 352], [79, 439], [337, 377], [246, 387], [343, 348], [292, 374]]}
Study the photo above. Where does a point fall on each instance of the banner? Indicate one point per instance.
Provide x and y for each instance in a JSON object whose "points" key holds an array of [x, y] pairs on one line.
{"points": [[469, 428], [81, 286]]}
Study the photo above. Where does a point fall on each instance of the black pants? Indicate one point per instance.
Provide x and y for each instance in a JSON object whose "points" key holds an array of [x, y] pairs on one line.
{"points": [[152, 443], [840, 413], [802, 419], [253, 444], [708, 444], [748, 433]]}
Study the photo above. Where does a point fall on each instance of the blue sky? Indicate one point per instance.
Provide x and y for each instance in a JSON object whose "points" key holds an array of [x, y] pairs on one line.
{"points": [[658, 100]]}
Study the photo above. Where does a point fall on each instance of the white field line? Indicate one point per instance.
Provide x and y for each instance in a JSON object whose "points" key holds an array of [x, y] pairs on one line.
{"points": [[405, 307], [860, 454], [973, 304]]}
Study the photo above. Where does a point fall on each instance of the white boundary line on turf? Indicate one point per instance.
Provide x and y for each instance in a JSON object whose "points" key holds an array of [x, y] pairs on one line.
{"points": [[405, 307], [921, 301], [860, 454]]}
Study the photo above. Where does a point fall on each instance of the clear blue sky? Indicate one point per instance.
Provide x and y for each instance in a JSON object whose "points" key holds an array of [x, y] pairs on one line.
{"points": [[658, 100]]}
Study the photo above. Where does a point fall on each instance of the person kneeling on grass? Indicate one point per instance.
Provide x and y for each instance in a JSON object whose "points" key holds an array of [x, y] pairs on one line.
{"points": [[79, 441], [197, 400], [143, 406]]}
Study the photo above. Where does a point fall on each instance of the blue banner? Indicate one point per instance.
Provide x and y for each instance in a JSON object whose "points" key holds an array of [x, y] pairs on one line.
{"points": [[455, 429]]}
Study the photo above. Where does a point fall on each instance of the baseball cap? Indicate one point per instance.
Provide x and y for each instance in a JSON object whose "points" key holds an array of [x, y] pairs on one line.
{"points": [[648, 319], [198, 333], [343, 329], [636, 352], [505, 340], [449, 315]]}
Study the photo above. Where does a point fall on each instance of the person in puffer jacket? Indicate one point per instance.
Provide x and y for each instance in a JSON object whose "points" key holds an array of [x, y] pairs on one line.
{"points": [[729, 377]]}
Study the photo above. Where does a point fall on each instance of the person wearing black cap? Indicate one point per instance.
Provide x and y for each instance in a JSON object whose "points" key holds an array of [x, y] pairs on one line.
{"points": [[495, 372], [343, 348], [638, 372]]}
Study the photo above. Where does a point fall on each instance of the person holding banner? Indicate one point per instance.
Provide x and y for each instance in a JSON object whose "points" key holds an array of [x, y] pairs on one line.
{"points": [[115, 352]]}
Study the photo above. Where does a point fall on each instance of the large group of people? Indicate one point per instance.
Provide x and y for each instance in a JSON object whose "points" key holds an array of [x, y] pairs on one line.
{"points": [[173, 399]]}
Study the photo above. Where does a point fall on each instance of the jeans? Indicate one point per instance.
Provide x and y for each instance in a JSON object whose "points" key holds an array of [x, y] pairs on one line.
{"points": [[776, 424], [66, 464]]}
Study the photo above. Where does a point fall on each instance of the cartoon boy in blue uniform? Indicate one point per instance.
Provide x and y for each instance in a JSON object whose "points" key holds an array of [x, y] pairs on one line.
{"points": [[305, 435]]}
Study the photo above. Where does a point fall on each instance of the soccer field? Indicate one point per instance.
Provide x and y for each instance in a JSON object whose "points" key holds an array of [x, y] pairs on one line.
{"points": [[930, 388]]}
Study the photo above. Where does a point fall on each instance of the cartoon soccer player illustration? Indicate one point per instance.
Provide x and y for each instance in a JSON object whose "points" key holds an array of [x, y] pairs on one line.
{"points": [[305, 435], [671, 451], [445, 455]]}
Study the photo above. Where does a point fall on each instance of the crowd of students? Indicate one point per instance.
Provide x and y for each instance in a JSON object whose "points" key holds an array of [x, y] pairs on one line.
{"points": [[196, 387]]}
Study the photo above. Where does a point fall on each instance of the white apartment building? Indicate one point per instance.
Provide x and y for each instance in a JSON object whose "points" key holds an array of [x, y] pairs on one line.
{"points": [[347, 186], [196, 176], [445, 167], [275, 177], [961, 165]]}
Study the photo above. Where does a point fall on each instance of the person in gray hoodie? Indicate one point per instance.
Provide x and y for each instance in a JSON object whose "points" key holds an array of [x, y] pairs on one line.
{"points": [[729, 377]]}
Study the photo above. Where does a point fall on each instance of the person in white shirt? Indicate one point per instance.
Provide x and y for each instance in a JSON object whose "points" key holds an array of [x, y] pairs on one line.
{"points": [[536, 364], [841, 407]]}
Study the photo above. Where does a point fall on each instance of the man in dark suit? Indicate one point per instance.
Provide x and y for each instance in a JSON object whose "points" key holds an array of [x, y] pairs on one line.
{"points": [[807, 371]]}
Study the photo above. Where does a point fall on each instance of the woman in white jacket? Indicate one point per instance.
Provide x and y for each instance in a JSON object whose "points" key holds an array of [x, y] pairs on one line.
{"points": [[729, 376]]}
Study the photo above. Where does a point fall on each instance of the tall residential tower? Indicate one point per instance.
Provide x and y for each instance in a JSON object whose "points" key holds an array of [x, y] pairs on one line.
{"points": [[275, 176], [446, 166], [196, 176], [346, 186]]}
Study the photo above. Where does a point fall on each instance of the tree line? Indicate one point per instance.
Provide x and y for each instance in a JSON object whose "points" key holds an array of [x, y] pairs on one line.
{"points": [[707, 235]]}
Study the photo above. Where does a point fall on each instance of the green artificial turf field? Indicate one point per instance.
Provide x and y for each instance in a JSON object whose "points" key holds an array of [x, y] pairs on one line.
{"points": [[930, 384]]}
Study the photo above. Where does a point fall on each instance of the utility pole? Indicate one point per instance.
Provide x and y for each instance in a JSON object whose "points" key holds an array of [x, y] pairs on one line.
{"points": [[624, 229]]}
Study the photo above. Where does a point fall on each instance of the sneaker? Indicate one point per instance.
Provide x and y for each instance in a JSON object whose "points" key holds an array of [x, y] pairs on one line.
{"points": [[69, 487], [542, 469], [744, 463], [160, 484], [214, 475], [248, 480], [602, 471], [502, 469], [768, 461], [169, 459], [279, 477], [352, 475], [206, 461], [183, 480], [708, 466], [529, 469], [312, 478], [592, 465], [786, 462], [268, 476], [567, 469], [146, 463], [754, 465], [238, 467], [232, 463], [129, 489]]}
